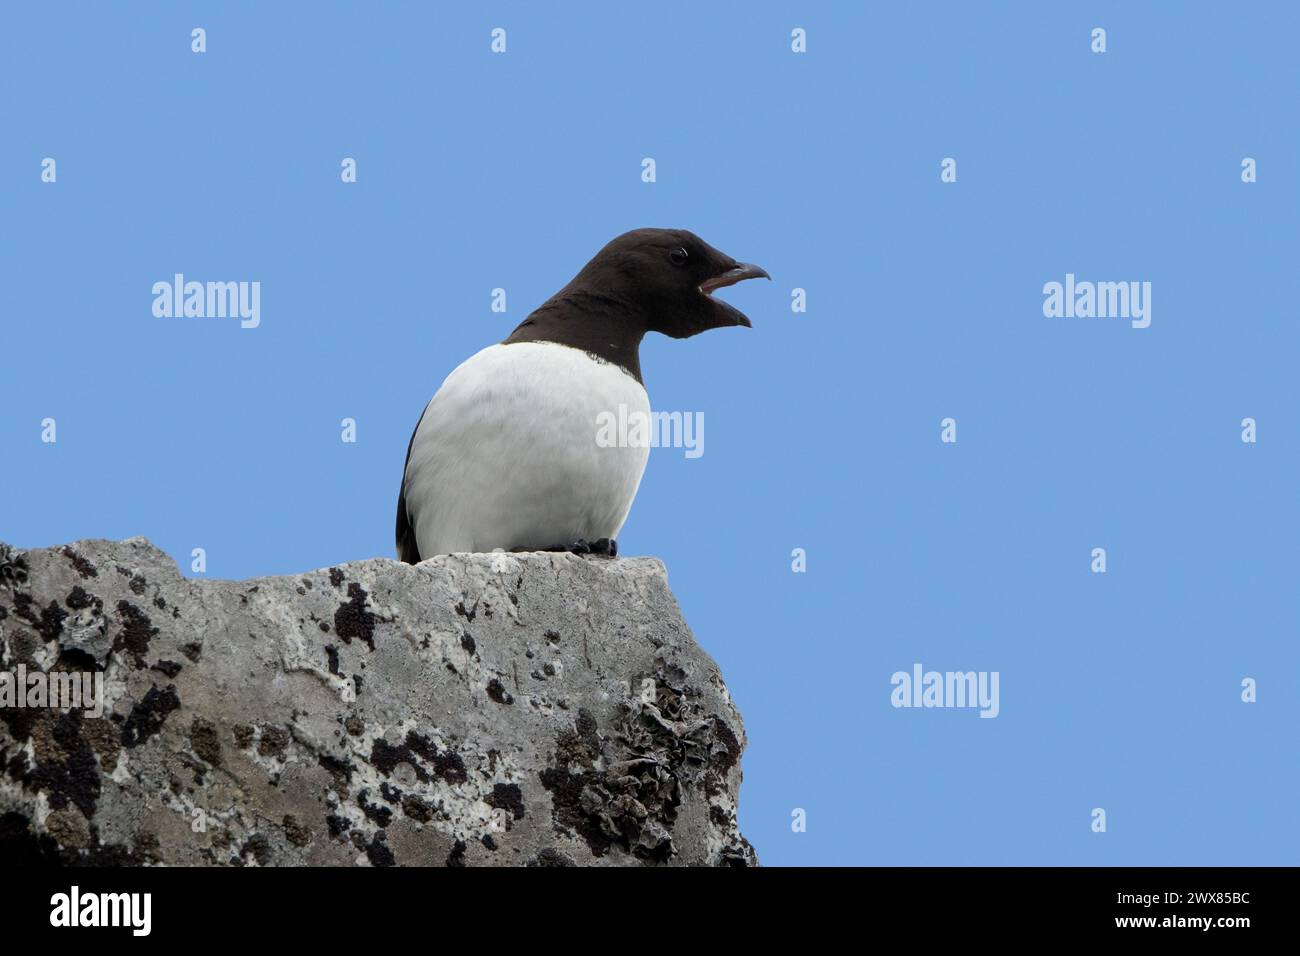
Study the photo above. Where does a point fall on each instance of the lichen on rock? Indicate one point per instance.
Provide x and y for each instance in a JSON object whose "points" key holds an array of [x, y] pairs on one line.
{"points": [[477, 709]]}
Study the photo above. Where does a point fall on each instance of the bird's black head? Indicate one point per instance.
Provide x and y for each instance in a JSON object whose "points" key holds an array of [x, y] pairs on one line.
{"points": [[647, 280], [666, 277]]}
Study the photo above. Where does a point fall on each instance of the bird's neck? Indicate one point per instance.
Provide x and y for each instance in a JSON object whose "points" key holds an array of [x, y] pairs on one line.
{"points": [[601, 325]]}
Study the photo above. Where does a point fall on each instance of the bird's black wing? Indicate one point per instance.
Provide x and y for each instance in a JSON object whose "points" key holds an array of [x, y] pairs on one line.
{"points": [[406, 547]]}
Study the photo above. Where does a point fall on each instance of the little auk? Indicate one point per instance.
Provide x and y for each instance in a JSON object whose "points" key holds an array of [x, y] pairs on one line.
{"points": [[505, 454]]}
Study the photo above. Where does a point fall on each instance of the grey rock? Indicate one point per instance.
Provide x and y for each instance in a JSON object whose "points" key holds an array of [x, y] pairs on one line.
{"points": [[477, 709]]}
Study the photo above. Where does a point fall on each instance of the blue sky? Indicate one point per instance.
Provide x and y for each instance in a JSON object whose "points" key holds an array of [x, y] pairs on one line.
{"points": [[924, 301]]}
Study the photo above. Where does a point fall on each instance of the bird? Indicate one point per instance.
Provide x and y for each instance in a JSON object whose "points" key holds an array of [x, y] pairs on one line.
{"points": [[505, 455]]}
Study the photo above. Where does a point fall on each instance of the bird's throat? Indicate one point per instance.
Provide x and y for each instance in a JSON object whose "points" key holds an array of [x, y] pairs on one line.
{"points": [[604, 327]]}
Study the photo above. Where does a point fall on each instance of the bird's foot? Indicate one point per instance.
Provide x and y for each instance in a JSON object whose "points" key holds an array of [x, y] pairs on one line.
{"points": [[602, 547]]}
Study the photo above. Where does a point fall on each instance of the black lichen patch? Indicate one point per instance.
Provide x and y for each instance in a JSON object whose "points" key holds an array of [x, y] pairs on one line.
{"points": [[79, 599], [336, 577], [105, 738], [137, 584], [169, 668], [497, 691], [67, 772], [340, 770], [656, 749], [422, 755], [726, 755], [296, 833], [52, 618], [416, 808], [147, 846], [147, 717], [467, 613], [205, 742], [450, 767], [378, 853], [467, 642], [507, 796], [376, 814], [488, 841], [23, 606], [13, 567], [447, 764], [193, 650], [23, 645], [17, 767], [566, 799], [332, 656], [48, 623], [259, 846], [385, 757], [274, 742], [80, 564], [457, 855], [353, 619], [137, 631], [587, 729], [581, 745]]}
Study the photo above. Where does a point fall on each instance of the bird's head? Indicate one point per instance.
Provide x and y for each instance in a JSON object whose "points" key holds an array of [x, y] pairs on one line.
{"points": [[668, 276]]}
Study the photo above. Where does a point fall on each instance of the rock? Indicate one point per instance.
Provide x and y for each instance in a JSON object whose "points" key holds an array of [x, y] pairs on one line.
{"points": [[477, 709]]}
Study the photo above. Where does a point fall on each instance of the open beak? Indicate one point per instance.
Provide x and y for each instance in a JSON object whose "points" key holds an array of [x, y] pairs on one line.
{"points": [[739, 272]]}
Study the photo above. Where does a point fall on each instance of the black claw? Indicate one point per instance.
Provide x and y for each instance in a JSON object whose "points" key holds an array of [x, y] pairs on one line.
{"points": [[605, 547]]}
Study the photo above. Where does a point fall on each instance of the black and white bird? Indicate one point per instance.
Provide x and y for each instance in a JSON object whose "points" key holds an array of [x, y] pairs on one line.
{"points": [[506, 452]]}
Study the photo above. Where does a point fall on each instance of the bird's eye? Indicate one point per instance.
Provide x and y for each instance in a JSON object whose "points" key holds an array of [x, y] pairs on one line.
{"points": [[678, 256]]}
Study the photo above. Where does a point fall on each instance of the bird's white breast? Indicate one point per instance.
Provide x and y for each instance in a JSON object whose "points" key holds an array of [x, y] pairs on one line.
{"points": [[506, 455]]}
